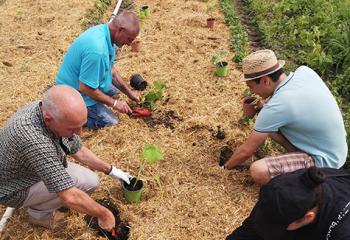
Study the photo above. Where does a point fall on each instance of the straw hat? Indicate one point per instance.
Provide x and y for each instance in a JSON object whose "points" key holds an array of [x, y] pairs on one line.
{"points": [[260, 63]]}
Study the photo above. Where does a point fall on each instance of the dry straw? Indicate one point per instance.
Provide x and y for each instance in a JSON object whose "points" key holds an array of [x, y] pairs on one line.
{"points": [[196, 199]]}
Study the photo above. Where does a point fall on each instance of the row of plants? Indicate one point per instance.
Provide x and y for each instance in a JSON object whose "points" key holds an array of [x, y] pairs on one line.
{"points": [[239, 37], [95, 14], [315, 33]]}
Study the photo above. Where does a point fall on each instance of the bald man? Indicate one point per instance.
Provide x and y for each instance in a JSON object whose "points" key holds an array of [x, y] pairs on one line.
{"points": [[88, 67], [34, 172]]}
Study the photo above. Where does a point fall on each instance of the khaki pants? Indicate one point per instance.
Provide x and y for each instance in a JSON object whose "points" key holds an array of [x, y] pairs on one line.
{"points": [[41, 203]]}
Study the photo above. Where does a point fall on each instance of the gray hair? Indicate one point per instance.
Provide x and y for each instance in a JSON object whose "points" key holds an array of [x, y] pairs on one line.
{"points": [[50, 106]]}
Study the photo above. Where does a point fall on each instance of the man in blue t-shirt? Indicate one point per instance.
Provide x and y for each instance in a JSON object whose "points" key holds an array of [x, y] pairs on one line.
{"points": [[300, 114], [88, 67]]}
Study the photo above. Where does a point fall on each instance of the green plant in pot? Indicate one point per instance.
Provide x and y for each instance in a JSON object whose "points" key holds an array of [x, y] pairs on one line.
{"points": [[154, 94], [144, 11], [218, 59], [150, 155]]}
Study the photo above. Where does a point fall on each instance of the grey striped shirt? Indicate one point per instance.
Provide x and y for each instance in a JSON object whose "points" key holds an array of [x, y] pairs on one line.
{"points": [[29, 153]]}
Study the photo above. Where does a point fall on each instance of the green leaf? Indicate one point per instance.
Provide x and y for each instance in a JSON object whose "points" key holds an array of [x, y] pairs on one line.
{"points": [[151, 96], [159, 86], [151, 154]]}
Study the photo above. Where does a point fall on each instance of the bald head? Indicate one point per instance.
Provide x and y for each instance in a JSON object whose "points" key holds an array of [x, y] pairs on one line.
{"points": [[63, 102], [127, 20]]}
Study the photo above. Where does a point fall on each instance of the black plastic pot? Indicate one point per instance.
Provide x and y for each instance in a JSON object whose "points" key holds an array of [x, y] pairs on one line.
{"points": [[137, 82]]}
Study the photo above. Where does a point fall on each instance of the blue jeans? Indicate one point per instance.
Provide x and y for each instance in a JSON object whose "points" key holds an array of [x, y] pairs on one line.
{"points": [[99, 115]]}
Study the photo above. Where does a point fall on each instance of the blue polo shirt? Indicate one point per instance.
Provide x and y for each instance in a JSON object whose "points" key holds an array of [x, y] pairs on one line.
{"points": [[89, 60], [303, 109]]}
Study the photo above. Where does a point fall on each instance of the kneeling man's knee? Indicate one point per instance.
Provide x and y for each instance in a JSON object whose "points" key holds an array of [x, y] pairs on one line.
{"points": [[259, 172], [91, 182]]}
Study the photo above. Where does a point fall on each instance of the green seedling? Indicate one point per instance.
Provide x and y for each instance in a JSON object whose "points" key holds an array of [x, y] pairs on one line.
{"points": [[218, 58], [150, 155], [154, 94], [246, 92]]}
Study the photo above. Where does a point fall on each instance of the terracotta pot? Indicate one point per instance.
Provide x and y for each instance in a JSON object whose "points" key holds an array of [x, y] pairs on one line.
{"points": [[136, 46], [210, 22], [249, 106]]}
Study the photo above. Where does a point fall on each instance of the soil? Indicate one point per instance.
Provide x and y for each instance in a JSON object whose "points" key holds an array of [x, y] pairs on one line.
{"points": [[225, 154], [121, 228], [249, 101], [220, 133], [166, 119], [132, 186]]}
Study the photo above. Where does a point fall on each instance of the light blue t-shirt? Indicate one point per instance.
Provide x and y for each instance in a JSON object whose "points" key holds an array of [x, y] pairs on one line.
{"points": [[89, 60], [306, 113]]}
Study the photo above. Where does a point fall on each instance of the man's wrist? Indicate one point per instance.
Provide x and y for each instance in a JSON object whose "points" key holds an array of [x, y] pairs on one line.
{"points": [[109, 170]]}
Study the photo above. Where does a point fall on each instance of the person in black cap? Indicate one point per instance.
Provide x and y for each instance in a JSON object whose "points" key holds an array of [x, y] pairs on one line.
{"points": [[308, 204]]}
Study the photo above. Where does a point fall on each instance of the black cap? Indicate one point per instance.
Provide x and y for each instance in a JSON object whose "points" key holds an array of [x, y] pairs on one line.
{"points": [[285, 199]]}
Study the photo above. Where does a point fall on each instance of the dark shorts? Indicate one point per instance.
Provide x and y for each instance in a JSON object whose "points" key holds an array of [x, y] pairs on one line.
{"points": [[99, 115]]}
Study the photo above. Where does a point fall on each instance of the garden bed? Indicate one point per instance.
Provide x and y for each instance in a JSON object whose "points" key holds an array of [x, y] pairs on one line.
{"points": [[195, 198]]}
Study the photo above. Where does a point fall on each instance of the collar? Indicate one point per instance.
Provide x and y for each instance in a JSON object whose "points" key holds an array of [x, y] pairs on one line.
{"points": [[111, 47], [284, 82], [40, 118]]}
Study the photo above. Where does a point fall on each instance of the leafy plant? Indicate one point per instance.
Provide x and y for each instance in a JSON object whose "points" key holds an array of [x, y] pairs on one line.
{"points": [[94, 15], [218, 58], [239, 37], [154, 94], [150, 155]]}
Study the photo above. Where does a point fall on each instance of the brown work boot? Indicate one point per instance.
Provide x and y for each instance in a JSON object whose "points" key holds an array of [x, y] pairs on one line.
{"points": [[57, 220]]}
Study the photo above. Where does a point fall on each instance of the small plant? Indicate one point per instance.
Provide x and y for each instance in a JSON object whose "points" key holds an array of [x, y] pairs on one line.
{"points": [[246, 93], [154, 94], [218, 58], [150, 155]]}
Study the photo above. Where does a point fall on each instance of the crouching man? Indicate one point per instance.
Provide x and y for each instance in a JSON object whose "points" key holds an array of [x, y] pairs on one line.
{"points": [[34, 172]]}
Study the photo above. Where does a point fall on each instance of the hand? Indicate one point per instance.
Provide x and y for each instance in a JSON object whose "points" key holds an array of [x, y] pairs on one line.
{"points": [[135, 96], [119, 174], [121, 106], [107, 221], [258, 106]]}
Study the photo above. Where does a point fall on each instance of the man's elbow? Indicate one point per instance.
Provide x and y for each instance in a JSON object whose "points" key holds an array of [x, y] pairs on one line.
{"points": [[69, 196]]}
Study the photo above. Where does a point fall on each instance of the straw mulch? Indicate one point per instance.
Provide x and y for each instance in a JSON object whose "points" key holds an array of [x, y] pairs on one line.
{"points": [[196, 198]]}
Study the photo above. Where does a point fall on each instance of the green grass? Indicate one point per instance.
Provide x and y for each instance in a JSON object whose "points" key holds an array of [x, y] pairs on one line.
{"points": [[239, 37]]}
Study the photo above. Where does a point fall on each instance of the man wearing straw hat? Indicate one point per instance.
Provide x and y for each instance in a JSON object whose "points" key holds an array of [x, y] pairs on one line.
{"points": [[301, 114], [34, 172], [88, 67]]}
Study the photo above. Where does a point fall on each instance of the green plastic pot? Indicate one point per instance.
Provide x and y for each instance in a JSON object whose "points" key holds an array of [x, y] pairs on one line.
{"points": [[142, 15], [133, 195], [145, 11], [222, 69]]}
